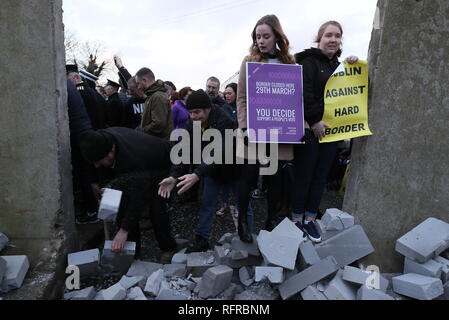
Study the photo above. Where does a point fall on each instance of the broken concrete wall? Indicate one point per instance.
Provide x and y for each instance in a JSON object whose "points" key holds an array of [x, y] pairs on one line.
{"points": [[398, 177], [36, 203]]}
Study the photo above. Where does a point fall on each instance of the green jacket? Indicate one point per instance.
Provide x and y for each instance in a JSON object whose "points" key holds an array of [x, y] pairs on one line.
{"points": [[157, 118]]}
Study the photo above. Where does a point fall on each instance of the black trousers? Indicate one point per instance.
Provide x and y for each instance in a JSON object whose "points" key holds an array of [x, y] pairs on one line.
{"points": [[83, 175], [275, 189], [139, 193]]}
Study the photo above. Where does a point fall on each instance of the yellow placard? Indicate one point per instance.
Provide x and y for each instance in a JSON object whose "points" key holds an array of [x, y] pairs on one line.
{"points": [[346, 103]]}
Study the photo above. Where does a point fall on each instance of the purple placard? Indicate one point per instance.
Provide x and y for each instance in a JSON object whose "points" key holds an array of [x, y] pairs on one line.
{"points": [[275, 101]]}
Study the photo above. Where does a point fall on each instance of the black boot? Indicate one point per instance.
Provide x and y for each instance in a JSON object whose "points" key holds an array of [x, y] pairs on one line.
{"points": [[200, 245], [244, 234]]}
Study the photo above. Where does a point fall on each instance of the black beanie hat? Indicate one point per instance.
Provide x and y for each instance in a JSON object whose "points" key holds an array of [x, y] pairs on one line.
{"points": [[198, 100], [95, 145]]}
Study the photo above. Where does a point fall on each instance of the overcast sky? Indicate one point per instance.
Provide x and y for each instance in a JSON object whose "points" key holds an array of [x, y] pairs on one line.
{"points": [[188, 41]]}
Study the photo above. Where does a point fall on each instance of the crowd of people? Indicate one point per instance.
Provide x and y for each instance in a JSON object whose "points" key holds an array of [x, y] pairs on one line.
{"points": [[120, 137]]}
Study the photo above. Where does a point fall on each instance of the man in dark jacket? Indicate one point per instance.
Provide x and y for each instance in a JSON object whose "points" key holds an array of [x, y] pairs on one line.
{"points": [[134, 106], [156, 118], [93, 105], [86, 204], [114, 106], [138, 162], [213, 175], [213, 89]]}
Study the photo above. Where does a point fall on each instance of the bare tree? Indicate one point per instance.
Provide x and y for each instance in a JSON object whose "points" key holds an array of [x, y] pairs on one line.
{"points": [[85, 53]]}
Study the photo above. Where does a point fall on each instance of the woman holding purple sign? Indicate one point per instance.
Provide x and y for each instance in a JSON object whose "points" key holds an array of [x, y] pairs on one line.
{"points": [[314, 160], [270, 45]]}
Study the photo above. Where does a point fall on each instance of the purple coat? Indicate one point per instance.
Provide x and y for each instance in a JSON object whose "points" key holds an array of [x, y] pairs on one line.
{"points": [[180, 115]]}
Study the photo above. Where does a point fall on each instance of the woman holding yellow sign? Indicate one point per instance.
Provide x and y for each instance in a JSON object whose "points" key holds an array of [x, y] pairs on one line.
{"points": [[314, 160]]}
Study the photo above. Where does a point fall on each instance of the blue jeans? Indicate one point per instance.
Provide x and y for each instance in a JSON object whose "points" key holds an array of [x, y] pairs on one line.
{"points": [[209, 199], [311, 166]]}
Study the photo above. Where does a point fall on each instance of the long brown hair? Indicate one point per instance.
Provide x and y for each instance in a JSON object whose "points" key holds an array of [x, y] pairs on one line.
{"points": [[282, 41]]}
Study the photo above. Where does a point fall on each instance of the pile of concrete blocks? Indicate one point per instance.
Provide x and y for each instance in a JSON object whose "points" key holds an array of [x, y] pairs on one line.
{"points": [[110, 204], [426, 267], [13, 270], [285, 264], [3, 241]]}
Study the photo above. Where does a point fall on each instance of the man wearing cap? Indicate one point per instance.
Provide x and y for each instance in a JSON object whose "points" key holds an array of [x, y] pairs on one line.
{"points": [[114, 106], [138, 162], [92, 101], [213, 175], [156, 117]]}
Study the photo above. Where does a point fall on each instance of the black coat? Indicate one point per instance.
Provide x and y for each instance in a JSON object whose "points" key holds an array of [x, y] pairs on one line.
{"points": [[114, 111], [78, 118], [94, 107], [132, 112], [137, 151], [221, 173], [317, 69]]}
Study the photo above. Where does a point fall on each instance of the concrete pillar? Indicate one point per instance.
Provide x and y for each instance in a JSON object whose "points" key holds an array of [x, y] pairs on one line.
{"points": [[399, 176], [36, 202]]}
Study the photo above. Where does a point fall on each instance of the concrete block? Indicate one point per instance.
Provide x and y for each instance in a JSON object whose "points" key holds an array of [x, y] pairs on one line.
{"points": [[302, 280], [116, 292], [346, 247], [2, 269], [288, 229], [16, 270], [118, 261], [307, 255], [360, 277], [278, 250], [135, 294], [338, 289], [143, 268], [154, 282], [251, 248], [417, 286], [274, 274], [239, 255], [85, 294], [364, 293], [3, 241], [179, 258], [226, 238], [200, 262], [430, 268], [175, 270], [129, 282], [167, 293], [214, 281], [337, 220], [312, 293], [425, 241], [109, 205], [87, 262], [445, 268], [245, 277], [325, 234]]}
